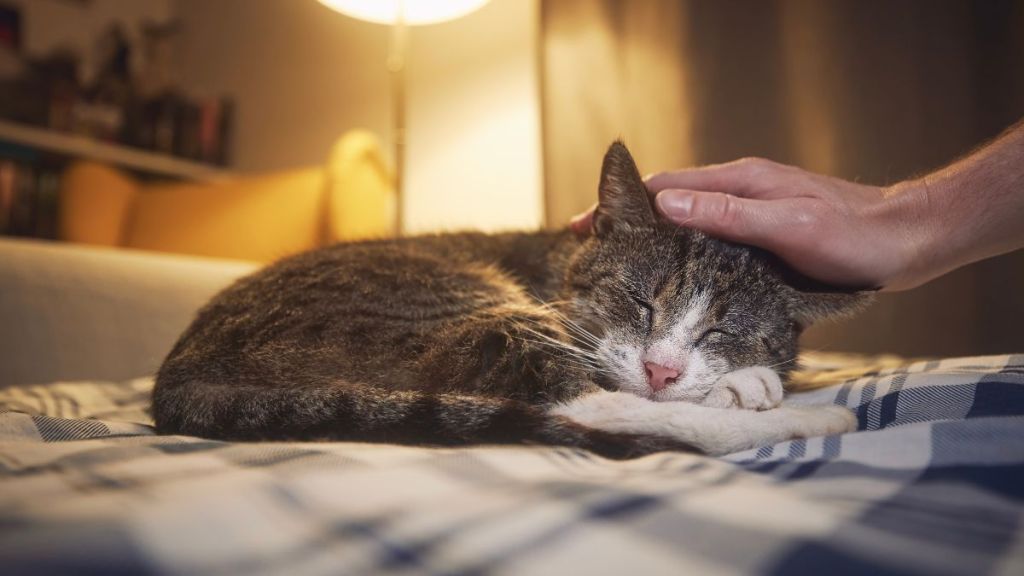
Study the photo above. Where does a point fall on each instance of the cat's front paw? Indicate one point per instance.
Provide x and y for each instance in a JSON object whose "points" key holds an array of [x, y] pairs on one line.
{"points": [[811, 421], [754, 388], [746, 430]]}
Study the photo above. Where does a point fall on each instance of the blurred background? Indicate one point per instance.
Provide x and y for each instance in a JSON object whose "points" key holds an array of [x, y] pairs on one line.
{"points": [[250, 129]]}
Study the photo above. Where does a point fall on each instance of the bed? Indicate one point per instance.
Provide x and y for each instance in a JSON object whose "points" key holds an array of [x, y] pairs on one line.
{"points": [[931, 483]]}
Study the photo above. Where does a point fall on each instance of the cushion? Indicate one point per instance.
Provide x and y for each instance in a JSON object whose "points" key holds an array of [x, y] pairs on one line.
{"points": [[360, 189], [95, 202], [259, 218], [254, 218]]}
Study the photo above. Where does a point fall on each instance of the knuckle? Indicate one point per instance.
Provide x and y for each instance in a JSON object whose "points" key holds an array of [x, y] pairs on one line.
{"points": [[810, 216], [757, 164], [767, 171], [727, 211]]}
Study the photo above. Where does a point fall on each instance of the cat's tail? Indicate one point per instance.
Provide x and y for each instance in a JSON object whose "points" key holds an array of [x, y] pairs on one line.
{"points": [[354, 412]]}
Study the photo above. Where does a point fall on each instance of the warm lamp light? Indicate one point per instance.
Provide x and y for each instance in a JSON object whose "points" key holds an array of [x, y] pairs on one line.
{"points": [[400, 14], [412, 12]]}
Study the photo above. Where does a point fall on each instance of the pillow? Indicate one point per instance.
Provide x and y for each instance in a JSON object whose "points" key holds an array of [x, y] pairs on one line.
{"points": [[361, 199], [251, 218], [95, 201]]}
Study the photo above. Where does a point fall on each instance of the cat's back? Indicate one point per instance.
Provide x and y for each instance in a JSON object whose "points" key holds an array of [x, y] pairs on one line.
{"points": [[418, 262], [365, 299]]}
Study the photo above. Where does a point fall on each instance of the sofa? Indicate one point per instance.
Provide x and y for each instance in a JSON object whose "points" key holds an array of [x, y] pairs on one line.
{"points": [[932, 482]]}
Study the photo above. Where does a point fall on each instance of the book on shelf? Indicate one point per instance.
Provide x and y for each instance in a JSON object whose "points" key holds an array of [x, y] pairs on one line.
{"points": [[28, 199]]}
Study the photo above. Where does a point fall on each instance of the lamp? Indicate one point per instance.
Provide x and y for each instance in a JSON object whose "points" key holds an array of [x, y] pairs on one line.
{"points": [[401, 14]]}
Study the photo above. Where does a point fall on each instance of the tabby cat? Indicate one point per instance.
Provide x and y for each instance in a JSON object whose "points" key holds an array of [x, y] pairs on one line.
{"points": [[640, 338]]}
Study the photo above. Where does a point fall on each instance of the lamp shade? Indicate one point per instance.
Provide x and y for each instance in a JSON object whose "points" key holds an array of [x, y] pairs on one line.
{"points": [[412, 12]]}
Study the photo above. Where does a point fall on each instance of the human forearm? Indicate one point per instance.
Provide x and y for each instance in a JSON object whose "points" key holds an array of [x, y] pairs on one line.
{"points": [[968, 211]]}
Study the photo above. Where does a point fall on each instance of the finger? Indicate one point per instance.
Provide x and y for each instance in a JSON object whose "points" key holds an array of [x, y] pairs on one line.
{"points": [[769, 224], [741, 177], [582, 223]]}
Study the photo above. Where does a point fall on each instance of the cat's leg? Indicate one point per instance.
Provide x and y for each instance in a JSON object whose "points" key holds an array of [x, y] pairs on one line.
{"points": [[753, 388], [710, 430]]}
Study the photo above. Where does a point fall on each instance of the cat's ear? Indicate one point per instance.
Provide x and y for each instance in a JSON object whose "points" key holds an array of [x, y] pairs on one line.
{"points": [[812, 301], [622, 196]]}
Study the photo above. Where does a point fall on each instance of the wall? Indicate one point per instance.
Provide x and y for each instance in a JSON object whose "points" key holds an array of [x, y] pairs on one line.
{"points": [[474, 121], [299, 73], [49, 25], [302, 74]]}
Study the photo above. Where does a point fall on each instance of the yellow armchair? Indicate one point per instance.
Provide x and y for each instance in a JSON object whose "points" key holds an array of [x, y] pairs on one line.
{"points": [[258, 218]]}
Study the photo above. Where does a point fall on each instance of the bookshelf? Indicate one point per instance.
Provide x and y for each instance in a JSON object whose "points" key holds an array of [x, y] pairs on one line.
{"points": [[29, 188], [81, 147]]}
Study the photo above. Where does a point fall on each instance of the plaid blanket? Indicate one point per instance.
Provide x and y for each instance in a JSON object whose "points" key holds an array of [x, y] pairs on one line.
{"points": [[932, 483]]}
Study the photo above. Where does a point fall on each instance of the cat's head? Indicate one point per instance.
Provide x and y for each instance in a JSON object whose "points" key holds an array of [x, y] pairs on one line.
{"points": [[668, 310]]}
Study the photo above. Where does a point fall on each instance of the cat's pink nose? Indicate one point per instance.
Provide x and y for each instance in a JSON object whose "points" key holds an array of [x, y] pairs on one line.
{"points": [[658, 376]]}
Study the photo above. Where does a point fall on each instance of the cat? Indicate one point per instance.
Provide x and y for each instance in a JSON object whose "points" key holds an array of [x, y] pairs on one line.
{"points": [[640, 338]]}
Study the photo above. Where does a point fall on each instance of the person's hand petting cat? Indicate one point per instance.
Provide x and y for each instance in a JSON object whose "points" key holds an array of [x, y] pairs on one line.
{"points": [[854, 235]]}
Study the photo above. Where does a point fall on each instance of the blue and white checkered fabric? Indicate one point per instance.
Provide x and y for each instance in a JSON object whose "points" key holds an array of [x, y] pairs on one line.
{"points": [[933, 483]]}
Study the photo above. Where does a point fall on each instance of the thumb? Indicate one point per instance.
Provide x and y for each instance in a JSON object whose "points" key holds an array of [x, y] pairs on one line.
{"points": [[721, 215]]}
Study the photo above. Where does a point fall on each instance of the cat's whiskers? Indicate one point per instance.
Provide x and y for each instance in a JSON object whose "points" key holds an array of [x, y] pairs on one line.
{"points": [[558, 343], [569, 358], [581, 331], [583, 337], [578, 332], [793, 359], [797, 357], [590, 353], [573, 354]]}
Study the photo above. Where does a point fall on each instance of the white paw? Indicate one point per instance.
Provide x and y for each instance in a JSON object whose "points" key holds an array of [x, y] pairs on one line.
{"points": [[779, 425], [709, 430], [607, 410], [811, 421], [754, 388]]}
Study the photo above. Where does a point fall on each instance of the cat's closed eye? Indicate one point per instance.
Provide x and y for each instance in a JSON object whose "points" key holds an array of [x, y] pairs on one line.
{"points": [[712, 333], [646, 311]]}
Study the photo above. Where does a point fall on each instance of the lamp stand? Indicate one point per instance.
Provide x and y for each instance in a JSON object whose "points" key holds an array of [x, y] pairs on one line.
{"points": [[398, 53]]}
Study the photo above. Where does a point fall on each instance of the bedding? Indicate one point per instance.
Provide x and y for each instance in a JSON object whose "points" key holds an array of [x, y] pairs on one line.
{"points": [[931, 483]]}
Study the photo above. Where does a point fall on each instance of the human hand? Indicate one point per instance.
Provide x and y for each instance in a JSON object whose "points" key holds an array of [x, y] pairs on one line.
{"points": [[831, 230]]}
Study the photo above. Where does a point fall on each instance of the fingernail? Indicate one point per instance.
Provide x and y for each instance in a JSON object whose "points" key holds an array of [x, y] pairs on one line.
{"points": [[675, 204]]}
